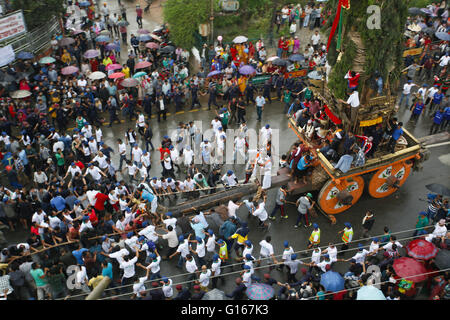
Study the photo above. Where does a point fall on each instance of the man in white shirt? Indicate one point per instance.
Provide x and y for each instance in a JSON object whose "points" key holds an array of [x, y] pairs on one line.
{"points": [[204, 277], [229, 179], [139, 286], [266, 252], [167, 287], [440, 231], [331, 251], [232, 207], [191, 268], [136, 154], [262, 214], [353, 102], [95, 172], [215, 269], [315, 39], [260, 102], [73, 168], [128, 266], [39, 217], [101, 160], [360, 256], [406, 92], [183, 250]]}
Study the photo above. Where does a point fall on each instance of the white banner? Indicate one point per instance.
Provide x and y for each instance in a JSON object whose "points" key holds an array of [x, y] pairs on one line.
{"points": [[12, 25], [6, 55]]}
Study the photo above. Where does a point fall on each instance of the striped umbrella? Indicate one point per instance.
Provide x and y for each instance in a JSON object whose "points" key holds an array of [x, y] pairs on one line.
{"points": [[114, 66], [421, 249], [142, 65], [152, 45], [129, 82], [260, 291], [116, 75], [69, 70]]}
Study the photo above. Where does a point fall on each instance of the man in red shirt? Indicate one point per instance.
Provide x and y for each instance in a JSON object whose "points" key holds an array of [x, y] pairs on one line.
{"points": [[100, 203], [139, 15]]}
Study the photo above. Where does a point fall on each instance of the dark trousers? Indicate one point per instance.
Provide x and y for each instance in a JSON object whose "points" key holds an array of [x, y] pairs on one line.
{"points": [[435, 128], [124, 38], [122, 159], [241, 114], [149, 142], [275, 209], [163, 113], [302, 217], [113, 117], [212, 101], [259, 112], [139, 21]]}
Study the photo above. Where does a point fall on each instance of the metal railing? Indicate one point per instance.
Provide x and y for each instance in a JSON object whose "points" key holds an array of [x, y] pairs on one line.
{"points": [[35, 40]]}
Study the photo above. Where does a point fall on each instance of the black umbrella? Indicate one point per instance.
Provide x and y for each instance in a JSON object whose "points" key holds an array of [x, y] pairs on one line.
{"points": [[167, 49], [428, 30], [439, 189], [442, 259], [415, 11], [280, 62]]}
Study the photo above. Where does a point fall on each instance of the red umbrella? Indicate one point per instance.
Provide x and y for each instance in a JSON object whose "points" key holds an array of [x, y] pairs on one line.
{"points": [[421, 249], [142, 65], [114, 66], [69, 70], [410, 269], [152, 45], [116, 75]]}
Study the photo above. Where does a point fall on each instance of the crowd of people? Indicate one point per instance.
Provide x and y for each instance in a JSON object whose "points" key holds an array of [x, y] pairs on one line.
{"points": [[83, 210]]}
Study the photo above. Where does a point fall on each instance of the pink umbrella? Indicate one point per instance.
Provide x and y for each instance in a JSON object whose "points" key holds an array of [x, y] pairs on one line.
{"points": [[114, 66], [410, 269], [152, 45], [143, 31], [75, 32], [89, 54], [142, 65], [69, 70], [116, 75], [129, 82]]}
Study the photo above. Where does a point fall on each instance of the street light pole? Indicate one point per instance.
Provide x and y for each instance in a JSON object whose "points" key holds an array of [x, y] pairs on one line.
{"points": [[211, 18]]}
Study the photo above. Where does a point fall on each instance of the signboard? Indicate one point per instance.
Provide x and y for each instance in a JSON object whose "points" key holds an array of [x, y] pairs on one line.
{"points": [[12, 26], [297, 74], [412, 52], [6, 55], [259, 80]]}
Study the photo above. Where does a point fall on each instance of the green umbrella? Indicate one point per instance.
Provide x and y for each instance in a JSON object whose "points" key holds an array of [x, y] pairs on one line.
{"points": [[46, 60], [139, 74]]}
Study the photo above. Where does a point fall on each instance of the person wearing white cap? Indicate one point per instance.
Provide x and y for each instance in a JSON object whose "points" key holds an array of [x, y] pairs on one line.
{"points": [[265, 135], [229, 179]]}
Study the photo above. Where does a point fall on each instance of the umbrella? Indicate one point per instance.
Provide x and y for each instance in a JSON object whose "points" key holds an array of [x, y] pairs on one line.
{"points": [[19, 94], [421, 249], [280, 62], [247, 70], [213, 73], [102, 38], [296, 57], [410, 269], [116, 75], [167, 49], [154, 36], [142, 65], [143, 31], [104, 33], [260, 291], [46, 60], [145, 37], [215, 294], [428, 12], [123, 23], [129, 82], [78, 31], [369, 293], [315, 75], [69, 70], [414, 27], [84, 4], [114, 66], [92, 53], [439, 189], [66, 41], [112, 46], [415, 11], [427, 30], [25, 55], [272, 58], [96, 75], [152, 45], [139, 74], [443, 36], [240, 39], [442, 259], [332, 281]]}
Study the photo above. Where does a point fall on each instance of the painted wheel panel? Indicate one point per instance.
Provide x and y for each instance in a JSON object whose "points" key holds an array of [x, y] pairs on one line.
{"points": [[328, 195], [378, 187]]}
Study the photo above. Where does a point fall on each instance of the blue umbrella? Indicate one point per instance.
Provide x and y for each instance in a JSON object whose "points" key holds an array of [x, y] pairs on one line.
{"points": [[370, 293], [144, 37], [260, 291], [247, 70], [296, 57], [102, 39], [84, 4], [213, 73], [443, 36], [24, 55], [332, 281], [112, 46]]}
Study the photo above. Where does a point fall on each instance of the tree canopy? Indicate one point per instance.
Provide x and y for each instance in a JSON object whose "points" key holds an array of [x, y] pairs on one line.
{"points": [[37, 12], [184, 17]]}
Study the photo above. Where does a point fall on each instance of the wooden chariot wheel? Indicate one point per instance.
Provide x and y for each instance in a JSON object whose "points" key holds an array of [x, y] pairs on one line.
{"points": [[339, 195], [386, 181]]}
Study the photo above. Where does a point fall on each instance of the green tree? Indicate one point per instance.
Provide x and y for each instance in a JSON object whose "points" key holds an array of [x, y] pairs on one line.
{"points": [[37, 12], [184, 17]]}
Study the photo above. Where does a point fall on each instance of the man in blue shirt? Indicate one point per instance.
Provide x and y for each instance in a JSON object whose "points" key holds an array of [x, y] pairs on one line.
{"points": [[417, 109], [396, 134], [58, 203], [78, 254], [438, 119], [198, 228], [437, 99]]}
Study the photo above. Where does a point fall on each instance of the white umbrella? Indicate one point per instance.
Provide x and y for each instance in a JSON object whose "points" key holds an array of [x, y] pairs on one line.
{"points": [[19, 94], [414, 27], [240, 39], [97, 75], [272, 58]]}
